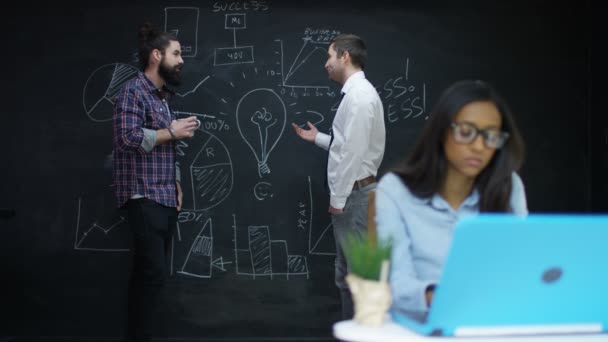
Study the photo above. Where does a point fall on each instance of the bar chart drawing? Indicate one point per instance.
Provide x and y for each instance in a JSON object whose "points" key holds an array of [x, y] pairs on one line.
{"points": [[265, 257]]}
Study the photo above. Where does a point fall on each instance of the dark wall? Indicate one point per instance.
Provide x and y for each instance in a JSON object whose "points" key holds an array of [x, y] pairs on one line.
{"points": [[254, 253], [599, 121]]}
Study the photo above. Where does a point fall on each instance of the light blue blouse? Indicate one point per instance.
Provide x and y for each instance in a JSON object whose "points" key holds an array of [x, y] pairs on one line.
{"points": [[421, 232]]}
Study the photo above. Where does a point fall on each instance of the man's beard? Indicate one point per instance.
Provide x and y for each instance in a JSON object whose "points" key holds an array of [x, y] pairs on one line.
{"points": [[171, 75]]}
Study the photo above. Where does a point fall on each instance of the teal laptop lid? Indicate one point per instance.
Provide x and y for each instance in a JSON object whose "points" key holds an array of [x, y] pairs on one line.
{"points": [[508, 275]]}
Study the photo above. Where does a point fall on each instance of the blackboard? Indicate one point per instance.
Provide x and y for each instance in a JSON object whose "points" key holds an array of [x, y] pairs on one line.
{"points": [[254, 255]]}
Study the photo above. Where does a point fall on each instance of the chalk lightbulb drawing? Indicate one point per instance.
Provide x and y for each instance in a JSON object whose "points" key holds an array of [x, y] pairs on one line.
{"points": [[260, 118]]}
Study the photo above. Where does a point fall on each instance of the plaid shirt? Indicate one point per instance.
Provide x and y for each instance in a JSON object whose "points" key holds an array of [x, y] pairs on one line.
{"points": [[136, 172]]}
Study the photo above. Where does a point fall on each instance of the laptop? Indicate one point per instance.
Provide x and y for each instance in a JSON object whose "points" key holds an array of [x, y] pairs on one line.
{"points": [[506, 275]]}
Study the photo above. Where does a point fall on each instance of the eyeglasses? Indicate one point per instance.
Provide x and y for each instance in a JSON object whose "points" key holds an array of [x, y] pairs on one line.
{"points": [[466, 133]]}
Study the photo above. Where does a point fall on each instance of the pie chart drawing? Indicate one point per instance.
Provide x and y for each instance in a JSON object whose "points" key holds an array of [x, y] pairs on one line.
{"points": [[206, 171], [101, 88]]}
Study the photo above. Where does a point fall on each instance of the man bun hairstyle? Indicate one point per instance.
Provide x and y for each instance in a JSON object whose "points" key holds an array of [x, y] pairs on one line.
{"points": [[150, 38]]}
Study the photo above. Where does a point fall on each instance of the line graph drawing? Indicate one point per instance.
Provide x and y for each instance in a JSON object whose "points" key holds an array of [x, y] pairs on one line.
{"points": [[99, 236], [102, 86], [206, 169], [199, 262], [234, 54], [319, 243], [260, 119], [306, 70], [265, 257], [194, 89], [183, 23]]}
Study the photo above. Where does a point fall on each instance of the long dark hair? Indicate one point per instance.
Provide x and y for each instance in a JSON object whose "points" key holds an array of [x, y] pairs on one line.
{"points": [[425, 168], [150, 38]]}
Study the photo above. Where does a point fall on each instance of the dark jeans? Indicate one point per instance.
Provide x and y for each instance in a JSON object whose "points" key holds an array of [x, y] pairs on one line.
{"points": [[152, 225], [352, 221]]}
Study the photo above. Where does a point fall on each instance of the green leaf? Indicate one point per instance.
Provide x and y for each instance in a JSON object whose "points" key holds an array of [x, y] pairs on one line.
{"points": [[365, 255]]}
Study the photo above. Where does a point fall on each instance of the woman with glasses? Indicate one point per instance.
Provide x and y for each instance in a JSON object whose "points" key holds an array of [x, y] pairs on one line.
{"points": [[464, 163]]}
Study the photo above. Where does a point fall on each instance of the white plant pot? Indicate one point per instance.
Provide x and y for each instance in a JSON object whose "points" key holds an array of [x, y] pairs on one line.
{"points": [[371, 300]]}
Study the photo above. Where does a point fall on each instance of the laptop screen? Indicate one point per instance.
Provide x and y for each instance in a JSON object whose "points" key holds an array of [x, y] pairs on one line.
{"points": [[544, 273]]}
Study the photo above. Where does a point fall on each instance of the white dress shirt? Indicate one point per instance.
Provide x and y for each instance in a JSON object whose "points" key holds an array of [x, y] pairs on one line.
{"points": [[359, 138]]}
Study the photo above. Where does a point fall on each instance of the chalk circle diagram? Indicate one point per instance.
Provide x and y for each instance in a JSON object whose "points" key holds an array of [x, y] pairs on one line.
{"points": [[262, 191], [206, 171], [101, 88]]}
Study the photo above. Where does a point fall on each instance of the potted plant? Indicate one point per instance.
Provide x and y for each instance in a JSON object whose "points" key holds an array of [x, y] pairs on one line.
{"points": [[368, 261]]}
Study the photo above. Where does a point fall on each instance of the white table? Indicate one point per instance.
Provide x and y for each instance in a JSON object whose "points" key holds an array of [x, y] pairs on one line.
{"points": [[391, 332]]}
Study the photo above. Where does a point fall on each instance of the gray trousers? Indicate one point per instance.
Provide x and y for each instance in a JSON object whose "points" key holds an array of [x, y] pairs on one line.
{"points": [[352, 221]]}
